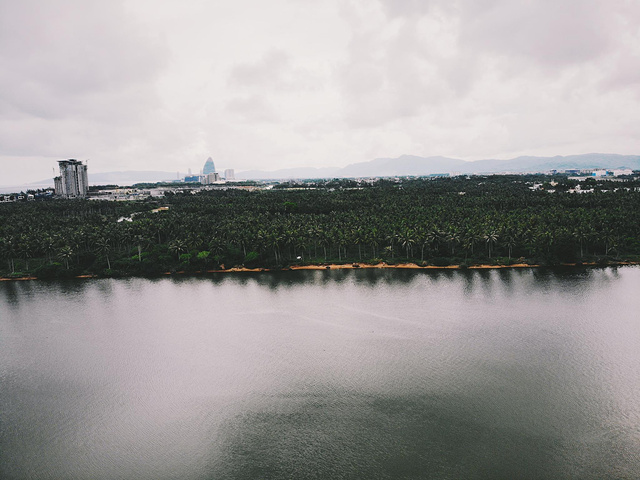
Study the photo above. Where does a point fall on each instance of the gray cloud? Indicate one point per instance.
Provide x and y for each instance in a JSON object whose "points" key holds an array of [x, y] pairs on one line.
{"points": [[409, 8], [423, 54], [142, 84], [552, 33], [67, 64], [269, 71], [395, 73], [252, 109], [277, 71], [625, 74]]}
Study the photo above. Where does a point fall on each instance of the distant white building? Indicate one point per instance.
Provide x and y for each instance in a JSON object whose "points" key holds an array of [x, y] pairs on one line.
{"points": [[73, 181], [210, 178], [229, 174]]}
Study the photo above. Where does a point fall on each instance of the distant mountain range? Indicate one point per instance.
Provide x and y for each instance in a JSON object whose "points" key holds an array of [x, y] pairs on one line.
{"points": [[413, 165], [401, 166], [123, 178], [131, 177]]}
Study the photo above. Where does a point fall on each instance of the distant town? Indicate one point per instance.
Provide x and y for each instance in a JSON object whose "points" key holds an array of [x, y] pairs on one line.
{"points": [[73, 182]]}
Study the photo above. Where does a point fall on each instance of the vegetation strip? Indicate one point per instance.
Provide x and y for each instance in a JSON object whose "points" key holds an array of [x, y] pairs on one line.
{"points": [[461, 222]]}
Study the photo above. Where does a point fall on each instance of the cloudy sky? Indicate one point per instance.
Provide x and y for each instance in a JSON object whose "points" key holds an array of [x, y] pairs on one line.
{"points": [[162, 85]]}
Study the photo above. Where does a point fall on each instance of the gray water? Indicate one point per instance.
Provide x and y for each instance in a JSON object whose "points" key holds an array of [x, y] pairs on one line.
{"points": [[329, 374]]}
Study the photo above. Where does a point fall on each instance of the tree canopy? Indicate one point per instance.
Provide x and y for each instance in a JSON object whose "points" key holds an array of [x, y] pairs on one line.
{"points": [[442, 221]]}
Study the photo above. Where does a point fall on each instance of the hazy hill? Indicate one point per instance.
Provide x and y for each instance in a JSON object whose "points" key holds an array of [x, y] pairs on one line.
{"points": [[543, 164], [404, 165], [401, 166], [130, 177], [303, 172], [124, 178], [414, 165]]}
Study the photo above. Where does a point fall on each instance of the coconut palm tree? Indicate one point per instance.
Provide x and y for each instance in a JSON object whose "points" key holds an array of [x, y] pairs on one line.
{"points": [[8, 250], [178, 247], [103, 247], [25, 249], [65, 254], [510, 242], [48, 246], [407, 239], [141, 241], [491, 239]]}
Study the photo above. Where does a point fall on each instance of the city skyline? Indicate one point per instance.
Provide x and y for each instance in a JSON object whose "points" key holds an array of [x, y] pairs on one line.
{"points": [[135, 85], [405, 165]]}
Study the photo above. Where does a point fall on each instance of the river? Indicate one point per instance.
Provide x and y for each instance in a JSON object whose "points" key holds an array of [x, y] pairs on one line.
{"points": [[370, 374]]}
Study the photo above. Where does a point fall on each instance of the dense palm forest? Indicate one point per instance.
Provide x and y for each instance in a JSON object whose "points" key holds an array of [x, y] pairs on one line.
{"points": [[443, 221]]}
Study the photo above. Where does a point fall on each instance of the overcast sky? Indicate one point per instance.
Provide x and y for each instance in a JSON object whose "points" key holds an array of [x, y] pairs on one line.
{"points": [[162, 85]]}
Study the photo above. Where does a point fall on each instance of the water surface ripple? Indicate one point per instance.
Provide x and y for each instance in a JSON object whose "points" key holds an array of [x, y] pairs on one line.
{"points": [[323, 374]]}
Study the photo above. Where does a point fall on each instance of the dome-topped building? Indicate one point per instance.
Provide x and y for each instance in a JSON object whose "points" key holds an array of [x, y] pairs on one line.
{"points": [[209, 167]]}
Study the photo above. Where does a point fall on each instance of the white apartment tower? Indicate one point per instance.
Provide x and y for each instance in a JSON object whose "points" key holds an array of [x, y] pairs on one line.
{"points": [[73, 181]]}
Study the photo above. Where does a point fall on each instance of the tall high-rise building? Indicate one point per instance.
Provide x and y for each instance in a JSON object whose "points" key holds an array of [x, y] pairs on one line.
{"points": [[229, 174], [73, 181], [209, 167]]}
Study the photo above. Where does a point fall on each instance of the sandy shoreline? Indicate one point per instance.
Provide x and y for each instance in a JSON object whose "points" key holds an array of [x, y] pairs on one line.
{"points": [[402, 266], [360, 266], [406, 266], [363, 266]]}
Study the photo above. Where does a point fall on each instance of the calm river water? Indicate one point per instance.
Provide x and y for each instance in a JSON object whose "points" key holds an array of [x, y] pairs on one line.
{"points": [[511, 374]]}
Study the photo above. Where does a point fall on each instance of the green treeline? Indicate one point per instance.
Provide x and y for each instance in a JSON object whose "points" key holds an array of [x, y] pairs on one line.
{"points": [[497, 219]]}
